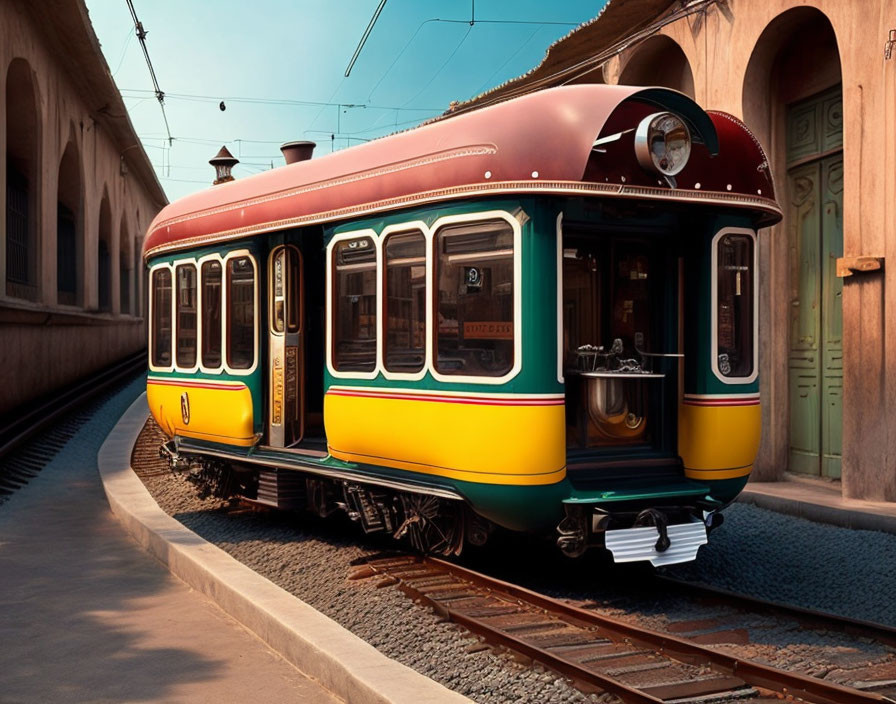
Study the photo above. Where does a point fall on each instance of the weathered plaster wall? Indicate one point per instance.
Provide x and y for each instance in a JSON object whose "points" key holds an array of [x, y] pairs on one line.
{"points": [[750, 59], [44, 344]]}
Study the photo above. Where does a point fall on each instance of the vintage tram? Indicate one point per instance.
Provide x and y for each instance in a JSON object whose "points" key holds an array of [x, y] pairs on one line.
{"points": [[540, 315]]}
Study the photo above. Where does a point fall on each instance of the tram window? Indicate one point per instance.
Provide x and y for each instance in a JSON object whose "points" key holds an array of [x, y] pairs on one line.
{"points": [[186, 316], [405, 309], [474, 327], [354, 305], [211, 314], [240, 313], [161, 318], [735, 314]]}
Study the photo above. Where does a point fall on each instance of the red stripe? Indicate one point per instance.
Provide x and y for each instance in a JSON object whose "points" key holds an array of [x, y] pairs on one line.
{"points": [[454, 399], [722, 402], [197, 384]]}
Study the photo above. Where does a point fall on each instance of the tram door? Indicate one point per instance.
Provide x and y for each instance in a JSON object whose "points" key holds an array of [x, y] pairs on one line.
{"points": [[815, 217], [285, 343]]}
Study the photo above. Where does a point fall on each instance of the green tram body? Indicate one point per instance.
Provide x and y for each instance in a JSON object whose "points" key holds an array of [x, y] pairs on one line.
{"points": [[680, 466]]}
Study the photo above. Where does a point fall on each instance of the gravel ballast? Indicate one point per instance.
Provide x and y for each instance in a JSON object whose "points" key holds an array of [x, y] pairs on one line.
{"points": [[756, 552]]}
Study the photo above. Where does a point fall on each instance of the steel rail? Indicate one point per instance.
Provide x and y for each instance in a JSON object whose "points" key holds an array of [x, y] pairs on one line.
{"points": [[19, 430], [766, 677]]}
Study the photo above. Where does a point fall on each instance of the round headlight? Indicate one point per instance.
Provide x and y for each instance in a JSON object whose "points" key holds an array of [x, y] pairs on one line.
{"points": [[663, 143]]}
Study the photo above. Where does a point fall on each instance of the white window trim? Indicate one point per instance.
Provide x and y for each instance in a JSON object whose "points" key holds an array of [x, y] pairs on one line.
{"points": [[407, 227], [331, 308], [714, 302], [151, 335], [225, 310], [176, 320], [429, 234], [199, 264], [560, 376], [517, 299]]}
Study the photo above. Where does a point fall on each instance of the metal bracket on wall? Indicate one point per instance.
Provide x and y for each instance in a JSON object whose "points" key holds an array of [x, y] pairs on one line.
{"points": [[847, 266], [888, 47]]}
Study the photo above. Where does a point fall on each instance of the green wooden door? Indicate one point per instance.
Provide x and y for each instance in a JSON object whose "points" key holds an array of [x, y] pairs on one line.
{"points": [[815, 218]]}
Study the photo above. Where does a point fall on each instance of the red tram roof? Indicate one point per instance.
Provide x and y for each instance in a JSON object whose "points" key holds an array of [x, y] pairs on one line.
{"points": [[539, 143]]}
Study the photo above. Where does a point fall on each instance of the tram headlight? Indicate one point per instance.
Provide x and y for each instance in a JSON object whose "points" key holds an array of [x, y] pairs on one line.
{"points": [[663, 143]]}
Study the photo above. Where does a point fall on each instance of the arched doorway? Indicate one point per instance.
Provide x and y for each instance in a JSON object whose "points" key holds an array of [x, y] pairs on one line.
{"points": [[793, 90], [659, 61], [22, 181], [69, 227]]}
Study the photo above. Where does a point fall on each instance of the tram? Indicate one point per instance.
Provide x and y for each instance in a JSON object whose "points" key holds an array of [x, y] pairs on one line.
{"points": [[539, 316]]}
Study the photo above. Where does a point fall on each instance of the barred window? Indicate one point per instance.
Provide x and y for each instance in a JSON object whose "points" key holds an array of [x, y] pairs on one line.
{"points": [[354, 328], [211, 314], [186, 315], [240, 313], [734, 305], [405, 302], [161, 317], [475, 325]]}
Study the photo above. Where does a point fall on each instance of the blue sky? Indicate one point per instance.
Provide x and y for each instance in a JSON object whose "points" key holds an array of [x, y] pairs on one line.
{"points": [[282, 53]]}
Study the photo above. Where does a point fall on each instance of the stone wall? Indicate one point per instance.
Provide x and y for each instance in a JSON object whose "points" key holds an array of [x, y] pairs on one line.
{"points": [[80, 175]]}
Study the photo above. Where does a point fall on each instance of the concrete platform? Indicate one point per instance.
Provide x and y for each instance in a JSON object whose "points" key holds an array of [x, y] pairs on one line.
{"points": [[820, 501], [325, 651], [87, 616]]}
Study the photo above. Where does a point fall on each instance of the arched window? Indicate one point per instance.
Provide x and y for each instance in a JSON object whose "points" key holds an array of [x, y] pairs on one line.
{"points": [[104, 262], [124, 271], [69, 227], [22, 142]]}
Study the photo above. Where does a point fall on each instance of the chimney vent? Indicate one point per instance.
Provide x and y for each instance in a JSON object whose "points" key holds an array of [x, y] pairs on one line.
{"points": [[297, 151], [223, 162]]}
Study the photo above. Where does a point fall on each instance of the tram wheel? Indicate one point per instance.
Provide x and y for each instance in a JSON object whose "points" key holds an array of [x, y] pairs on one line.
{"points": [[432, 525]]}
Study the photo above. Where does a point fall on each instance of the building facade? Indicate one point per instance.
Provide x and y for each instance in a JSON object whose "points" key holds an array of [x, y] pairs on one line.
{"points": [[815, 80], [76, 195]]}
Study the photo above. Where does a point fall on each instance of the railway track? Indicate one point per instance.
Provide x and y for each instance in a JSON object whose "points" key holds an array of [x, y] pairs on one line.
{"points": [[57, 419], [602, 653]]}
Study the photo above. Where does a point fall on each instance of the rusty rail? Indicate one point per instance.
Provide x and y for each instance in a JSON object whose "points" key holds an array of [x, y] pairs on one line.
{"points": [[595, 651]]}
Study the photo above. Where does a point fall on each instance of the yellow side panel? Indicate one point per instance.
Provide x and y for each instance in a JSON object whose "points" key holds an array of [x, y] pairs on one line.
{"points": [[475, 442], [718, 442], [213, 411]]}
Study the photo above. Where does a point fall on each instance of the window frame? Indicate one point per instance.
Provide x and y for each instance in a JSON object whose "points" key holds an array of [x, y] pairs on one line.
{"points": [[201, 336], [175, 293], [714, 307], [398, 229], [517, 298], [151, 311], [225, 368], [330, 303], [225, 314], [429, 232]]}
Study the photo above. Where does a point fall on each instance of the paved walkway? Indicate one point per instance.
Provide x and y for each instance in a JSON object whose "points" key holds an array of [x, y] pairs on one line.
{"points": [[87, 616], [821, 501]]}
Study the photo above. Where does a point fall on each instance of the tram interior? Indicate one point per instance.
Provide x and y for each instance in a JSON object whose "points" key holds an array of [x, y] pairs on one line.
{"points": [[619, 347]]}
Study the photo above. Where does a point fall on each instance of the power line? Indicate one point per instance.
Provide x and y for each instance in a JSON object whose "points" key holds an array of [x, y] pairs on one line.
{"points": [[271, 101], [442, 67], [141, 35], [471, 22], [364, 36]]}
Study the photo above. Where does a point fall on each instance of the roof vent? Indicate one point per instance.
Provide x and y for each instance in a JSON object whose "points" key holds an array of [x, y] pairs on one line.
{"points": [[223, 162], [297, 151]]}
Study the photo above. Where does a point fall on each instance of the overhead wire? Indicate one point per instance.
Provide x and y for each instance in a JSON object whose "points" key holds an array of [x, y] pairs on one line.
{"points": [[376, 15], [141, 35], [271, 101]]}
